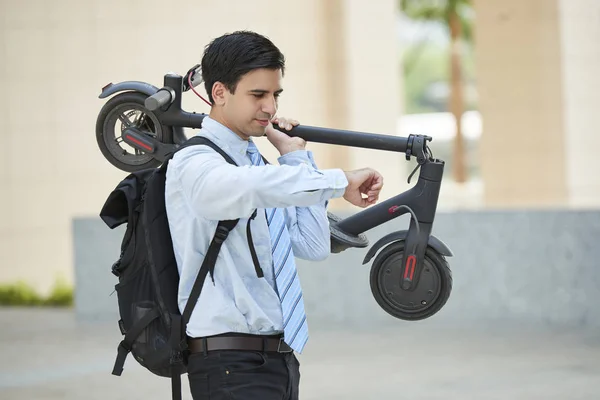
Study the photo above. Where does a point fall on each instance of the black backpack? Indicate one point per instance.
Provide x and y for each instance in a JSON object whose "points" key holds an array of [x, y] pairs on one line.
{"points": [[154, 330]]}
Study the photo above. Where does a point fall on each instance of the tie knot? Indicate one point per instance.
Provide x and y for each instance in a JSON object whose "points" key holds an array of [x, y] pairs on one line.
{"points": [[253, 153], [252, 149]]}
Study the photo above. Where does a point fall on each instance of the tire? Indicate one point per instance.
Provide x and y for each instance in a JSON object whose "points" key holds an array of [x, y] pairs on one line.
{"points": [[107, 139], [430, 295]]}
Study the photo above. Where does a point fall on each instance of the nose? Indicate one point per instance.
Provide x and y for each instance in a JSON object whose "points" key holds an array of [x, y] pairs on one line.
{"points": [[270, 106]]}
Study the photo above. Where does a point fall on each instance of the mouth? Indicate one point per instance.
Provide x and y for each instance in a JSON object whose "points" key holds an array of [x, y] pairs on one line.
{"points": [[263, 122]]}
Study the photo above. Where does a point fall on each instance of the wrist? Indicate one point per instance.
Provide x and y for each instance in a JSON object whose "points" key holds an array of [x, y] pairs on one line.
{"points": [[348, 175]]}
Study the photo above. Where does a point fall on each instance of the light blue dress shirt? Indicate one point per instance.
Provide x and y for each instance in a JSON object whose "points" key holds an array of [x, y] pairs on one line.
{"points": [[202, 188]]}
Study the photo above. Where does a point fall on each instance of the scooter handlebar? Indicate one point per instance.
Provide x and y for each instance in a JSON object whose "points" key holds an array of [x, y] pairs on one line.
{"points": [[347, 138], [159, 99]]}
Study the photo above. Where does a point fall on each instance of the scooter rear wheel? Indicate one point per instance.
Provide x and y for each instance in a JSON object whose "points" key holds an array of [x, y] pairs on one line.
{"points": [[128, 108], [427, 298]]}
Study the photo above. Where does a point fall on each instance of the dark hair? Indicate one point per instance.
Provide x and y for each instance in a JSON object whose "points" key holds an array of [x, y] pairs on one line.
{"points": [[229, 57]]}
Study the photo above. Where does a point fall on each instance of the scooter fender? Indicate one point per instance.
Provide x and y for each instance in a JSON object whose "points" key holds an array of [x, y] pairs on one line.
{"points": [[136, 86], [434, 242]]}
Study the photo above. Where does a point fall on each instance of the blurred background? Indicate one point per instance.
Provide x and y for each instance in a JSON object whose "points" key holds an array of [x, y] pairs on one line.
{"points": [[508, 89]]}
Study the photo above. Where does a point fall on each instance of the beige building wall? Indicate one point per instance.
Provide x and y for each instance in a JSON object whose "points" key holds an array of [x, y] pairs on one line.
{"points": [[520, 96], [538, 87], [56, 56], [374, 89], [580, 35]]}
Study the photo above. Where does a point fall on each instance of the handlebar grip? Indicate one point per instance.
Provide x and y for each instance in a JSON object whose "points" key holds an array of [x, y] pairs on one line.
{"points": [[158, 99]]}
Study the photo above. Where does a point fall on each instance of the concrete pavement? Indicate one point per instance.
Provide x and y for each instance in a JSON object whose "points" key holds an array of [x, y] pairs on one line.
{"points": [[47, 354]]}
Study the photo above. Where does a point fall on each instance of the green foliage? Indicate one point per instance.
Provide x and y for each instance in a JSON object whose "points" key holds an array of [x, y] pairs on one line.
{"points": [[22, 294], [19, 294], [440, 11], [432, 67], [61, 295], [430, 10], [428, 63]]}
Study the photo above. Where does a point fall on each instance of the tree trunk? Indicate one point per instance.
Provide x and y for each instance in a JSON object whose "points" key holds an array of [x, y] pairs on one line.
{"points": [[456, 98]]}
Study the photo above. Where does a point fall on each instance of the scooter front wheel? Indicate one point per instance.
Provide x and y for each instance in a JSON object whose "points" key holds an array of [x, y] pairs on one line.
{"points": [[119, 113], [427, 298]]}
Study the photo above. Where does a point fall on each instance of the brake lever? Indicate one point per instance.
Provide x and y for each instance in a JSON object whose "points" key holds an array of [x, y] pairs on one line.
{"points": [[413, 172]]}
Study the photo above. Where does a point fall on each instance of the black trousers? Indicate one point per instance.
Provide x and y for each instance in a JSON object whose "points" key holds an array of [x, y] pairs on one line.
{"points": [[243, 375]]}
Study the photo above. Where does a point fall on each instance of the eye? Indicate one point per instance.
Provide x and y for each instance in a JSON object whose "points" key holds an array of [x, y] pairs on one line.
{"points": [[258, 95]]}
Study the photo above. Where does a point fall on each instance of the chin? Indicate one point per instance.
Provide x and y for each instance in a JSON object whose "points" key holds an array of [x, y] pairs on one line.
{"points": [[257, 132]]}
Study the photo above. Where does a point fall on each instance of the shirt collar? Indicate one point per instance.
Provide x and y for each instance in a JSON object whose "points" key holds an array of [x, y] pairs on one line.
{"points": [[224, 136]]}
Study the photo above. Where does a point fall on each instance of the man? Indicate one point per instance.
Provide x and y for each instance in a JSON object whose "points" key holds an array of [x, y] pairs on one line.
{"points": [[250, 317]]}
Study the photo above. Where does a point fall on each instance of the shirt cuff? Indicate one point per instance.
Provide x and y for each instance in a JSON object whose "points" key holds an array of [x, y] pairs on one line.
{"points": [[337, 181], [298, 157]]}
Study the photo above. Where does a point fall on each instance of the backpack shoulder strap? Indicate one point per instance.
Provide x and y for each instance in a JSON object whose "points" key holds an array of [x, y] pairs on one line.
{"points": [[208, 265], [221, 233], [199, 140], [196, 141]]}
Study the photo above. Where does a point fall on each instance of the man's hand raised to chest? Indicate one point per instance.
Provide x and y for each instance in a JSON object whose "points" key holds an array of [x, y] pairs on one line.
{"points": [[282, 142]]}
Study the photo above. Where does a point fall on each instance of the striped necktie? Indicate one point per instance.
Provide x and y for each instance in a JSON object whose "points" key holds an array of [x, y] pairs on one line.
{"points": [[288, 283]]}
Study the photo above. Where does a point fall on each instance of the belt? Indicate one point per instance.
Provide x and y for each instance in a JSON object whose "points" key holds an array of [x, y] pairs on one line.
{"points": [[250, 343]]}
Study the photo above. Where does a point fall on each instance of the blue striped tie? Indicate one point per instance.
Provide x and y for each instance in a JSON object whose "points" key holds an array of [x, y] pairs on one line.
{"points": [[288, 284]]}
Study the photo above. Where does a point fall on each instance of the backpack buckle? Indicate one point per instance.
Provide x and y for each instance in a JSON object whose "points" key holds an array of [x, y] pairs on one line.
{"points": [[221, 234]]}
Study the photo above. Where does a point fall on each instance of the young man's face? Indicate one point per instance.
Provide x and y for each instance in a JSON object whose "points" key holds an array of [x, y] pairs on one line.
{"points": [[254, 104]]}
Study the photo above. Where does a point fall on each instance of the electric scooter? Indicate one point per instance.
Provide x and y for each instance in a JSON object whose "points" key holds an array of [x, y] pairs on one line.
{"points": [[409, 278]]}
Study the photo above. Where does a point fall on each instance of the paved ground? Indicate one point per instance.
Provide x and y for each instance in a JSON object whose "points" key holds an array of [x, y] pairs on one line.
{"points": [[48, 355]]}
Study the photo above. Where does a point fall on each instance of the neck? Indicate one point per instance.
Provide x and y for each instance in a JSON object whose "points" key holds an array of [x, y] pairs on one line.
{"points": [[217, 115]]}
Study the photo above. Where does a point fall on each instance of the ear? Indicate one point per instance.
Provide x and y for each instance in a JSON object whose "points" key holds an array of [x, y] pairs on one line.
{"points": [[218, 93]]}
